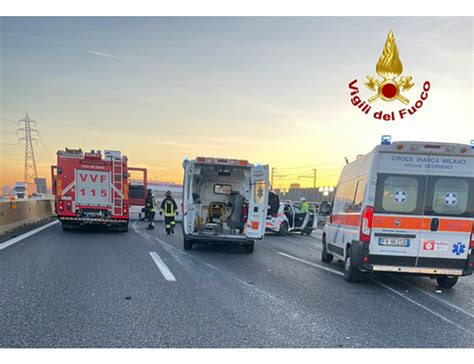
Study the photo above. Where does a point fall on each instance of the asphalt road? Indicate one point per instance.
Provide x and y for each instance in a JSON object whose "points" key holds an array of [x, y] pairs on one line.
{"points": [[141, 289]]}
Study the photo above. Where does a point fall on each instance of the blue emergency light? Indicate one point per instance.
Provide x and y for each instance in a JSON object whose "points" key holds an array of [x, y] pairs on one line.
{"points": [[472, 143], [386, 140]]}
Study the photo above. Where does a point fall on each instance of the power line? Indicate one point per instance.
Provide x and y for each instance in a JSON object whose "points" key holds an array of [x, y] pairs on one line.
{"points": [[313, 166], [8, 120]]}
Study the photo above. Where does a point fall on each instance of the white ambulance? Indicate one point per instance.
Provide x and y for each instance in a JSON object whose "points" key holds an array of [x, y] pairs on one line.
{"points": [[406, 207], [224, 200]]}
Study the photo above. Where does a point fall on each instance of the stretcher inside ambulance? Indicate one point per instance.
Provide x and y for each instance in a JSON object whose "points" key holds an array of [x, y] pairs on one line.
{"points": [[224, 200], [406, 207]]}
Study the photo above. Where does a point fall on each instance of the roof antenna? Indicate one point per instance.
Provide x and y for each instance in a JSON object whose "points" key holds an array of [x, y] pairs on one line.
{"points": [[347, 160]]}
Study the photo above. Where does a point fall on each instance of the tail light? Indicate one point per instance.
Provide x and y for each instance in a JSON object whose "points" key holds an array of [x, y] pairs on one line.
{"points": [[61, 205], [245, 211], [471, 245], [366, 224], [125, 209]]}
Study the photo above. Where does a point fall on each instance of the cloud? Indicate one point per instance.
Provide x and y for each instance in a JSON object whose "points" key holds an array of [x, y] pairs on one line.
{"points": [[103, 54]]}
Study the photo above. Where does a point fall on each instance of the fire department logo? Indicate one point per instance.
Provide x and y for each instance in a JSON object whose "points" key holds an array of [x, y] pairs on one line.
{"points": [[388, 85], [389, 68]]}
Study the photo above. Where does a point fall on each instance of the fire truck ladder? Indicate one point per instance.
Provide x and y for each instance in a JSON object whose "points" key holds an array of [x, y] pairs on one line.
{"points": [[117, 173]]}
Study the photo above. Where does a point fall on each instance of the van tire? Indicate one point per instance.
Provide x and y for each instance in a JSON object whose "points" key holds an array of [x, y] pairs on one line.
{"points": [[351, 273], [325, 256], [283, 229], [447, 281], [249, 248], [188, 244]]}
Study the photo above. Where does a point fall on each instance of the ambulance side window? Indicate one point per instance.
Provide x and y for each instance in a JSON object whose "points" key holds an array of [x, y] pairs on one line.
{"points": [[449, 196], [359, 196], [344, 198], [399, 194]]}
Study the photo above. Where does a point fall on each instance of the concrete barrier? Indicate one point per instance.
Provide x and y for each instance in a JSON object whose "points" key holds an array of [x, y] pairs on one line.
{"points": [[18, 213]]}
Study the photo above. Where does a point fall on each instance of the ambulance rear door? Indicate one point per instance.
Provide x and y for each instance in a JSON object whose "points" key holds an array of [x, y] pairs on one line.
{"points": [[258, 203], [449, 212], [398, 210], [189, 212]]}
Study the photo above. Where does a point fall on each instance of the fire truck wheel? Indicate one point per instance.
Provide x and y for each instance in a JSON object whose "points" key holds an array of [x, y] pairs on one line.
{"points": [[123, 227], [283, 228], [447, 281], [249, 248], [188, 244]]}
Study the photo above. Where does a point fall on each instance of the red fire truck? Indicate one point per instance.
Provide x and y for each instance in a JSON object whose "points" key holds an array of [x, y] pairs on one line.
{"points": [[93, 188]]}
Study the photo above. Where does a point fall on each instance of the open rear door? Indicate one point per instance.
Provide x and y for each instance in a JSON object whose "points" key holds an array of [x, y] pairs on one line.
{"points": [[258, 204], [138, 190]]}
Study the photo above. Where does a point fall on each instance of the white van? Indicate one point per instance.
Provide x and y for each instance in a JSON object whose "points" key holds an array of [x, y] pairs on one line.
{"points": [[406, 207], [224, 200]]}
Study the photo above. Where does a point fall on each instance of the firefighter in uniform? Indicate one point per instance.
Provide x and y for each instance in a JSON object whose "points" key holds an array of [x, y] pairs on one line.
{"points": [[169, 209], [151, 209]]}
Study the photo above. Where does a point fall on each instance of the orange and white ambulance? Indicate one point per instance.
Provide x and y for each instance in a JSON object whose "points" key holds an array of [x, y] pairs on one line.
{"points": [[405, 207], [224, 200]]}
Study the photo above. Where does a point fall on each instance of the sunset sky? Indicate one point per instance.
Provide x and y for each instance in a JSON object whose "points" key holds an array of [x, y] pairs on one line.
{"points": [[270, 90]]}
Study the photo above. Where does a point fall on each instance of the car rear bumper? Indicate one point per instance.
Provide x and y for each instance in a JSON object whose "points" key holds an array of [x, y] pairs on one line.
{"points": [[220, 239], [92, 221], [366, 262], [418, 270]]}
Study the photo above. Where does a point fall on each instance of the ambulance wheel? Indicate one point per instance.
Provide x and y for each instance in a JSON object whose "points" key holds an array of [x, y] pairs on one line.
{"points": [[447, 281], [283, 228], [351, 273], [249, 248], [325, 256], [188, 244], [123, 228]]}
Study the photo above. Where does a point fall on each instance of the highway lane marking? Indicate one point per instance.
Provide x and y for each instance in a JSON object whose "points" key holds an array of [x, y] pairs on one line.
{"points": [[312, 264], [26, 235], [300, 244], [165, 271], [393, 290], [436, 298], [382, 285]]}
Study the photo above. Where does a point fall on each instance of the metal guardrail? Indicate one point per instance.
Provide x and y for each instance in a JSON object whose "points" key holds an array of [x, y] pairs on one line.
{"points": [[18, 213]]}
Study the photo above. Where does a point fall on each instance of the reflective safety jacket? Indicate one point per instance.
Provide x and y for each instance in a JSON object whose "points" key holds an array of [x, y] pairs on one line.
{"points": [[169, 207], [151, 203], [304, 207]]}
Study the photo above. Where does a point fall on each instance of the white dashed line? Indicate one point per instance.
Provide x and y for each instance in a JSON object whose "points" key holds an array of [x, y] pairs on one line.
{"points": [[312, 264], [26, 235], [165, 271]]}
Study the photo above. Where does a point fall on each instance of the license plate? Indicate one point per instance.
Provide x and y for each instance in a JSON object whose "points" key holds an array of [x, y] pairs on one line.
{"points": [[403, 242]]}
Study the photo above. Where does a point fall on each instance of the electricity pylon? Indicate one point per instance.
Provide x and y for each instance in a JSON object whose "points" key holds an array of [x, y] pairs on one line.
{"points": [[30, 163]]}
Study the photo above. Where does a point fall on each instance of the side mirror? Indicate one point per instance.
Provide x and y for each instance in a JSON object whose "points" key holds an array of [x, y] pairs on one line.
{"points": [[324, 208]]}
